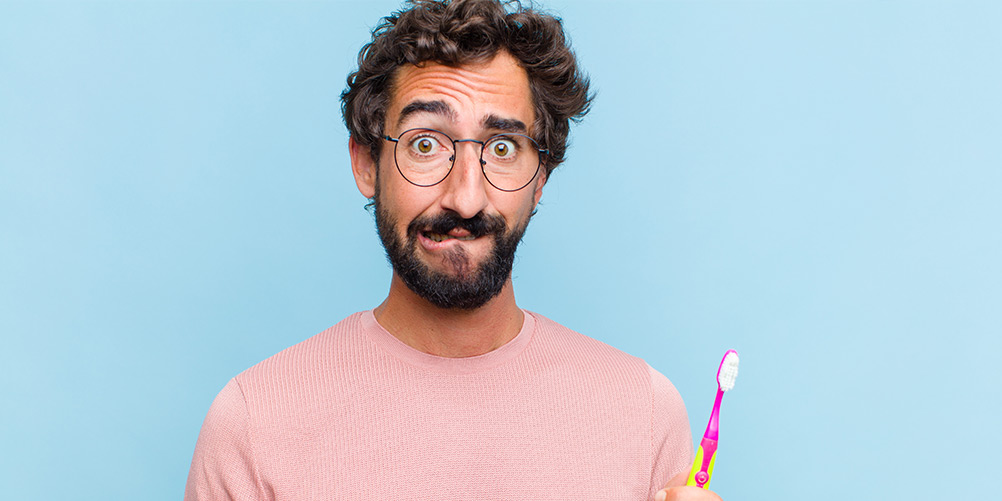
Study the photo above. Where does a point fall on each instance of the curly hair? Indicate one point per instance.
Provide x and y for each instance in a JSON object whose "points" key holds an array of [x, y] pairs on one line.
{"points": [[459, 32]]}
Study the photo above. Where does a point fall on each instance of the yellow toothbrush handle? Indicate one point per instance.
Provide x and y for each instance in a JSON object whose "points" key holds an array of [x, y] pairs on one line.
{"points": [[702, 466]]}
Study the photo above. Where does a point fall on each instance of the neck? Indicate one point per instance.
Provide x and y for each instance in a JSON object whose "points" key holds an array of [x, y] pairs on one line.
{"points": [[453, 333]]}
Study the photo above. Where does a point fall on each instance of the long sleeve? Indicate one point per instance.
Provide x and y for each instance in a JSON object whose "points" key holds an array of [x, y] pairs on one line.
{"points": [[223, 466], [671, 441]]}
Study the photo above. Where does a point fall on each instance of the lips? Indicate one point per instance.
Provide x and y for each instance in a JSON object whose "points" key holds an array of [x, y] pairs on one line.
{"points": [[440, 237], [450, 226]]}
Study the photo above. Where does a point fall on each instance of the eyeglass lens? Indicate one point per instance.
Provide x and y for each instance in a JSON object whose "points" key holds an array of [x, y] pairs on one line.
{"points": [[426, 156]]}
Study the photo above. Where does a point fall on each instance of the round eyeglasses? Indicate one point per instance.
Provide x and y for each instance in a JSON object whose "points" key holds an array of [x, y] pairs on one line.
{"points": [[425, 157]]}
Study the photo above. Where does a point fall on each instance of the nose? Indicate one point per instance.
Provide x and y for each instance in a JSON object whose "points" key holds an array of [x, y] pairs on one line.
{"points": [[466, 187]]}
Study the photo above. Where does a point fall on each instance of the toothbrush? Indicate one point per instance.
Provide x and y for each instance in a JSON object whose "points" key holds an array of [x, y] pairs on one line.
{"points": [[702, 466]]}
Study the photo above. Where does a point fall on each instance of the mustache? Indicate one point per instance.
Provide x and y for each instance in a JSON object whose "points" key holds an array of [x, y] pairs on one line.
{"points": [[478, 225]]}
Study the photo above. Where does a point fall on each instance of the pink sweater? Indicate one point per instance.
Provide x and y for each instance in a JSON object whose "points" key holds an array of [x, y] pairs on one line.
{"points": [[353, 413]]}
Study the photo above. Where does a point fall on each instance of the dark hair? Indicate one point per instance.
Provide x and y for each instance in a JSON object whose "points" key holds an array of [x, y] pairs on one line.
{"points": [[458, 32]]}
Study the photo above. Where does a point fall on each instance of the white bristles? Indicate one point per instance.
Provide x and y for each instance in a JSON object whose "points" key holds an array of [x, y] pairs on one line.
{"points": [[728, 372]]}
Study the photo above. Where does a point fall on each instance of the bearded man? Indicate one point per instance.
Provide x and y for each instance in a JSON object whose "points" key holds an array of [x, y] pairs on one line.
{"points": [[458, 113]]}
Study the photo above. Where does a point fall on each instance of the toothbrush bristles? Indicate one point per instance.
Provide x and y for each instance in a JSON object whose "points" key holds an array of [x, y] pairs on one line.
{"points": [[728, 372]]}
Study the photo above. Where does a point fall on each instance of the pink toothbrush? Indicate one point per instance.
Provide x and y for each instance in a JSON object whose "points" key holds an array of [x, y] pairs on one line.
{"points": [[702, 466]]}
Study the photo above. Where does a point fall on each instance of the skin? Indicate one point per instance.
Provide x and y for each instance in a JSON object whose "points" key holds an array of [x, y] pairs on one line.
{"points": [[676, 490], [473, 94]]}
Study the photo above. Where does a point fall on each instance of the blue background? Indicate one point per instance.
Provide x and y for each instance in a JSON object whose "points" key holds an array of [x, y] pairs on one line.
{"points": [[816, 184]]}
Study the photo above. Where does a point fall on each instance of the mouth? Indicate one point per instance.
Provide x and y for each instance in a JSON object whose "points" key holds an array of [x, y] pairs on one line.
{"points": [[449, 231], [455, 234]]}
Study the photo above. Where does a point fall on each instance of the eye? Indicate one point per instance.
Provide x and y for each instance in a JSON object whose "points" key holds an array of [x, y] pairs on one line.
{"points": [[503, 148], [425, 145]]}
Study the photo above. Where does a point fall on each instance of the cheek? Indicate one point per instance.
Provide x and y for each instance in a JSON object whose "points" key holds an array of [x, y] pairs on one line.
{"points": [[402, 199], [517, 210]]}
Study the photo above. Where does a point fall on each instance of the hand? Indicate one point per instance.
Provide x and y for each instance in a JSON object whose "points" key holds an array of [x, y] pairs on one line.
{"points": [[676, 490]]}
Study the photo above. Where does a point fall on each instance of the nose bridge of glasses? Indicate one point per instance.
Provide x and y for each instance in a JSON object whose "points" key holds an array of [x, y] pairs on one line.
{"points": [[478, 148]]}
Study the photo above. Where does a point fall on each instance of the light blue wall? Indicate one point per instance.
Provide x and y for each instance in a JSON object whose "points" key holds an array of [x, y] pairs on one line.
{"points": [[817, 184]]}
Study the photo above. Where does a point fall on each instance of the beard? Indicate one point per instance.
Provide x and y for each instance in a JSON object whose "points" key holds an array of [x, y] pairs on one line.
{"points": [[471, 286]]}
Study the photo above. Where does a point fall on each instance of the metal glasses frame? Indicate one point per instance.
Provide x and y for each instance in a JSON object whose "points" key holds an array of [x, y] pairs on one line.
{"points": [[452, 160]]}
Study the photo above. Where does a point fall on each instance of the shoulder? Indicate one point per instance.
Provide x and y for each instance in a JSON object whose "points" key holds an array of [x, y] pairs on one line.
{"points": [[288, 382], [671, 438], [590, 355], [223, 464], [666, 402], [570, 346], [312, 354], [603, 368], [622, 385]]}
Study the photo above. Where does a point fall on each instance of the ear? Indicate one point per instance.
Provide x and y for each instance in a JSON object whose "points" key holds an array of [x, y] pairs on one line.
{"points": [[538, 188], [363, 167]]}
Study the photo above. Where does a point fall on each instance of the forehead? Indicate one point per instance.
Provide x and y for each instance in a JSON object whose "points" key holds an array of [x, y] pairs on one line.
{"points": [[471, 93]]}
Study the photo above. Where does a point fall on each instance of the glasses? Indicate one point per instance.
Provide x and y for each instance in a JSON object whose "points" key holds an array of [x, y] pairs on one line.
{"points": [[425, 158]]}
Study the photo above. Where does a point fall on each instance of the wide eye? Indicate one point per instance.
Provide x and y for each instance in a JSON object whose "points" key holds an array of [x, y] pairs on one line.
{"points": [[503, 148], [425, 145]]}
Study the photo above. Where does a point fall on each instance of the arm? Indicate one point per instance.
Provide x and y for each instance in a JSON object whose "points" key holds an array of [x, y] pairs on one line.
{"points": [[671, 440], [672, 443], [223, 466]]}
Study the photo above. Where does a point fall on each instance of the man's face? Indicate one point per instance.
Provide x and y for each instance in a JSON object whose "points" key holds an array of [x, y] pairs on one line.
{"points": [[454, 243]]}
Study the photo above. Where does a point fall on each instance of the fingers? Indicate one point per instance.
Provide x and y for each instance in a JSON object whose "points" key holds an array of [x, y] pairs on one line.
{"points": [[676, 490], [684, 493]]}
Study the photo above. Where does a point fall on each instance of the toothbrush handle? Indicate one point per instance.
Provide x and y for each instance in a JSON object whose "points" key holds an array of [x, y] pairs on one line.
{"points": [[702, 466]]}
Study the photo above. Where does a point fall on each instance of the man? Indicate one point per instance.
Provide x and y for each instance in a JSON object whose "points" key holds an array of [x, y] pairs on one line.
{"points": [[458, 113]]}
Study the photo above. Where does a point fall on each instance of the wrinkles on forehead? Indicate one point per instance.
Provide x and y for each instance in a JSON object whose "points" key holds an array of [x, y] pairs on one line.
{"points": [[470, 99]]}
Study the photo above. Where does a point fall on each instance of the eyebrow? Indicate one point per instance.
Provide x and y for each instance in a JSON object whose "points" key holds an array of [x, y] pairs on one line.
{"points": [[441, 108], [434, 107], [494, 122]]}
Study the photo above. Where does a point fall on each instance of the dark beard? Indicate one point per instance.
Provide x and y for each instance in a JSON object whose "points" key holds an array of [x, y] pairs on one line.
{"points": [[471, 287]]}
